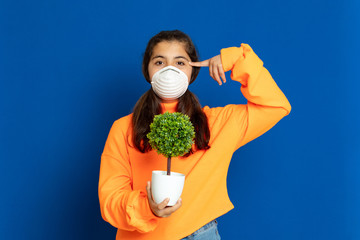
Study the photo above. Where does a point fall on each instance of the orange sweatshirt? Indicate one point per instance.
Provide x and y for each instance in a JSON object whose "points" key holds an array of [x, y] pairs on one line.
{"points": [[124, 171]]}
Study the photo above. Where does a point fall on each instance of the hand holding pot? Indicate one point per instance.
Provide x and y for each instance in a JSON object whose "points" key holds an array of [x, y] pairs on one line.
{"points": [[160, 209]]}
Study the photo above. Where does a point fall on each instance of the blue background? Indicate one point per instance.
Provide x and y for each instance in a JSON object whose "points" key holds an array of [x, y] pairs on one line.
{"points": [[68, 69]]}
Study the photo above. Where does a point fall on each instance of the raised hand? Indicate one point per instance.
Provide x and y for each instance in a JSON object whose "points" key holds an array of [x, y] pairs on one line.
{"points": [[161, 210], [215, 68]]}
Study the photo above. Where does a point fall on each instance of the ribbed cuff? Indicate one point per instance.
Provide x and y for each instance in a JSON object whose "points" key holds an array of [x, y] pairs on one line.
{"points": [[229, 56]]}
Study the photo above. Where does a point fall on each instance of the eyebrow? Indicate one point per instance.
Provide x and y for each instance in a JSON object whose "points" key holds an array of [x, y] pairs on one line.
{"points": [[177, 57], [157, 56], [182, 57]]}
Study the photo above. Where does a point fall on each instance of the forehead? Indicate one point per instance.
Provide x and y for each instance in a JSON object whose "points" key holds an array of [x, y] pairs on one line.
{"points": [[169, 49]]}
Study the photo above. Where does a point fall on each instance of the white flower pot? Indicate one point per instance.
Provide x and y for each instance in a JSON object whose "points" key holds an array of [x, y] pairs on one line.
{"points": [[164, 186]]}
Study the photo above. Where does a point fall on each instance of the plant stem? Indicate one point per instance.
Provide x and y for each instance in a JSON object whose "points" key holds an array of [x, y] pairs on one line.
{"points": [[168, 165]]}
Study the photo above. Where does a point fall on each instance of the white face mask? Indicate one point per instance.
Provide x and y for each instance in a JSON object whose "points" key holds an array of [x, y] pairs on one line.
{"points": [[169, 83]]}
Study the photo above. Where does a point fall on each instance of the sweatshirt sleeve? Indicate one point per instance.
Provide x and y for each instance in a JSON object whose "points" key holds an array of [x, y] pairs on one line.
{"points": [[120, 205], [266, 102]]}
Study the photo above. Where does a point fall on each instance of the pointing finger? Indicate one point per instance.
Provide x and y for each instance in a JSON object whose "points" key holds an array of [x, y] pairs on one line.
{"points": [[200, 64]]}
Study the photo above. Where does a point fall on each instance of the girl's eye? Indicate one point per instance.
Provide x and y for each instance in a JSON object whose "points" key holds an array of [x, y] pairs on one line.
{"points": [[158, 63], [181, 63]]}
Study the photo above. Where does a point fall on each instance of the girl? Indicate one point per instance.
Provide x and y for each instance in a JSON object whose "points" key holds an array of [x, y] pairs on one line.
{"points": [[170, 63]]}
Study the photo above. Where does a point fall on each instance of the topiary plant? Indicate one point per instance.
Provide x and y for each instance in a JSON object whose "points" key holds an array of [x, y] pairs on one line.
{"points": [[172, 135]]}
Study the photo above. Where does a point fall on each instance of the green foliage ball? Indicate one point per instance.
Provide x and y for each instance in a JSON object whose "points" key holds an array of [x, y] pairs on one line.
{"points": [[171, 134]]}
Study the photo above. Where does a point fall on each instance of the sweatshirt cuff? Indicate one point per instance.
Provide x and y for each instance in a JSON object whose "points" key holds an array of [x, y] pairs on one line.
{"points": [[143, 220], [148, 214], [229, 56]]}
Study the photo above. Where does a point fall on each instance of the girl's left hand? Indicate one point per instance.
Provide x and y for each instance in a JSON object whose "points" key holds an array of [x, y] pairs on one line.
{"points": [[215, 68]]}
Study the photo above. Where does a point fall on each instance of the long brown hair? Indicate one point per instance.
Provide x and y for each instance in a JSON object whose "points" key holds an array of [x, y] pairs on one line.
{"points": [[149, 103]]}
